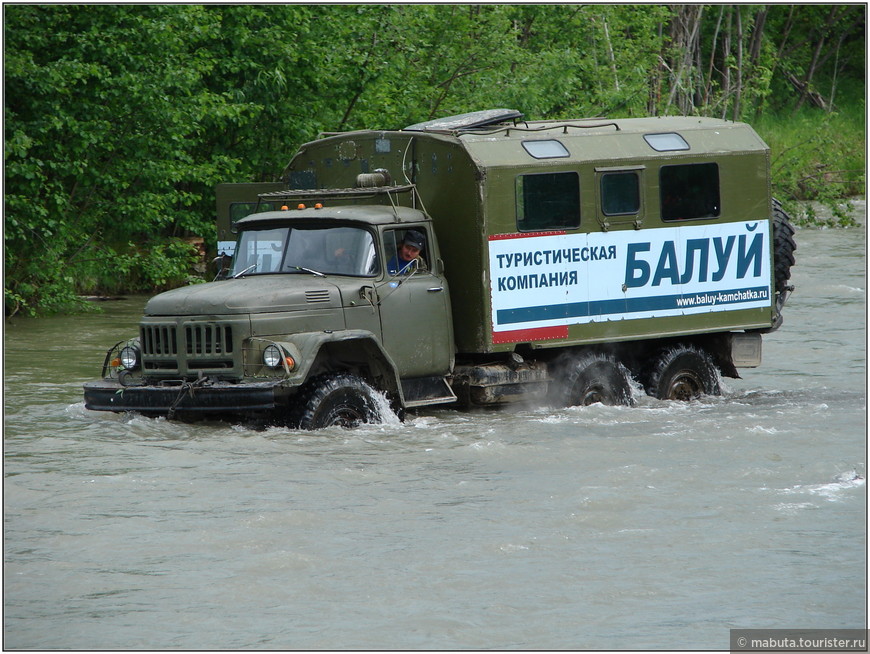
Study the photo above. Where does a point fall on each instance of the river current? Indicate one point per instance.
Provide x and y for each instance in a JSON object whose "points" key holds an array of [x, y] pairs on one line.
{"points": [[660, 526]]}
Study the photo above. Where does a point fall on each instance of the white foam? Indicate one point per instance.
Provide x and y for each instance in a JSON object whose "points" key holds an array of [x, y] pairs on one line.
{"points": [[793, 508], [831, 491], [385, 411], [758, 429]]}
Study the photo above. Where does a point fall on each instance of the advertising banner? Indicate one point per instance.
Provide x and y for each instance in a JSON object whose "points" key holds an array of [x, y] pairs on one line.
{"points": [[542, 282]]}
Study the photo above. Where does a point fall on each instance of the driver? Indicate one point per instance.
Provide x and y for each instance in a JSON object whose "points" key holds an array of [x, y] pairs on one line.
{"points": [[408, 253]]}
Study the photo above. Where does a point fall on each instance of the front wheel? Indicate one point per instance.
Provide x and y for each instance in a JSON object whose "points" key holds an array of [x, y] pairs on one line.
{"points": [[683, 373], [337, 400]]}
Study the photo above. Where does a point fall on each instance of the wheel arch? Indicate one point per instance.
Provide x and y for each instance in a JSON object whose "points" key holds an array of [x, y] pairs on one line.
{"points": [[354, 351]]}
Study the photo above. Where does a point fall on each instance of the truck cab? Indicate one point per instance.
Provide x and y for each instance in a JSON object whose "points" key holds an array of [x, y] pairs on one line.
{"points": [[341, 257], [309, 296]]}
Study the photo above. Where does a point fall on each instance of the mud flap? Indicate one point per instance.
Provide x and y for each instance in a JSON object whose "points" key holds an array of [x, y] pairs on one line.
{"points": [[746, 350], [423, 391]]}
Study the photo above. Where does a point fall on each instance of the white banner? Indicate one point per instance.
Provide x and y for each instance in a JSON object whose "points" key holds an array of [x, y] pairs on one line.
{"points": [[545, 280]]}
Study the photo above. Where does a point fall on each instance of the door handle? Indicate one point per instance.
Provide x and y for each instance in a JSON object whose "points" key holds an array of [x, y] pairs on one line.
{"points": [[435, 289]]}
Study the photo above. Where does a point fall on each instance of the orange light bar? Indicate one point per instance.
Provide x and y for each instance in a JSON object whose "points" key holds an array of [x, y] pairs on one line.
{"points": [[301, 206]]}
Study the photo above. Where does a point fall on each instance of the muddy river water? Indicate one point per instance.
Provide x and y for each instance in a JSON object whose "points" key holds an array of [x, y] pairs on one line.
{"points": [[660, 526]]}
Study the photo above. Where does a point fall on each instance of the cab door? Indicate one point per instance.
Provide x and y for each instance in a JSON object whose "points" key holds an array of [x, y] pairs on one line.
{"points": [[416, 323]]}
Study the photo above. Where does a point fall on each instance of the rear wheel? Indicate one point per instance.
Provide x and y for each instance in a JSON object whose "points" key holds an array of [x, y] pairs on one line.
{"points": [[683, 373], [593, 378], [341, 400]]}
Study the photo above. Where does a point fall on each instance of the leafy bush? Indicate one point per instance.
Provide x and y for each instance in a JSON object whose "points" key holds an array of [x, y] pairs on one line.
{"points": [[817, 157], [121, 119]]}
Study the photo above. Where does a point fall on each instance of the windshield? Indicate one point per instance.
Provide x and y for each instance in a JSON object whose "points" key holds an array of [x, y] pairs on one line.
{"points": [[327, 250]]}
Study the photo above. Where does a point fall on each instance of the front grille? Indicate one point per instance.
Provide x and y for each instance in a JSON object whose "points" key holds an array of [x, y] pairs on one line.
{"points": [[187, 348], [208, 339], [159, 340]]}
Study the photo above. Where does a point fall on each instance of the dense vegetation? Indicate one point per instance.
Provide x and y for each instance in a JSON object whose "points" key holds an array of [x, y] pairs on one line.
{"points": [[120, 119]]}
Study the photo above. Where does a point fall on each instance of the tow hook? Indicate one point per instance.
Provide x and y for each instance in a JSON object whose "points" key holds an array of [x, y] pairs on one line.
{"points": [[187, 388]]}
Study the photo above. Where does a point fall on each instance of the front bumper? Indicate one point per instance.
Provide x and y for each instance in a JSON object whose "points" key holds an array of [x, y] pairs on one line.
{"points": [[200, 398]]}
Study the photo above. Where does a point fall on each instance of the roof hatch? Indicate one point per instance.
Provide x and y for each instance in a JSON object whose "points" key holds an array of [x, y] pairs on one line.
{"points": [[466, 121]]}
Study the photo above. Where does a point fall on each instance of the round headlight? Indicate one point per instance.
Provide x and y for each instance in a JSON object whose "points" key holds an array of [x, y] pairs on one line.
{"points": [[130, 358], [273, 356]]}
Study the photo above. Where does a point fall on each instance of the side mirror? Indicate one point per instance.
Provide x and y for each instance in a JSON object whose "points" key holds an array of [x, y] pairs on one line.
{"points": [[221, 264]]}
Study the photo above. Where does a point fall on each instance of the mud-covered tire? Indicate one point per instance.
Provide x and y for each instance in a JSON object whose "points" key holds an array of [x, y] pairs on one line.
{"points": [[340, 399], [590, 379], [784, 247], [683, 373]]}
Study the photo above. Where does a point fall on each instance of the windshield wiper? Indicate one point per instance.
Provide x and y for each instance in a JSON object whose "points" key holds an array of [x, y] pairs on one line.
{"points": [[308, 270], [249, 268]]}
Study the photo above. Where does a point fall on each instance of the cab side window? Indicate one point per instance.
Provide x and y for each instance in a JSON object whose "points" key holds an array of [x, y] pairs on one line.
{"points": [[548, 201], [689, 191], [406, 250]]}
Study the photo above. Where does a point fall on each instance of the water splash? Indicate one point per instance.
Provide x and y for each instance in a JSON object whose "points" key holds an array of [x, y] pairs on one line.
{"points": [[832, 491]]}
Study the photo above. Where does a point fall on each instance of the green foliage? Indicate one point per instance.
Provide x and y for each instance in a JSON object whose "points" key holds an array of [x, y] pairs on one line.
{"points": [[121, 119], [816, 159], [103, 103]]}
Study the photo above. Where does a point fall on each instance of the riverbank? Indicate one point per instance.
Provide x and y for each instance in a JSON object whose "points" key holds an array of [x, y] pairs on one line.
{"points": [[818, 162]]}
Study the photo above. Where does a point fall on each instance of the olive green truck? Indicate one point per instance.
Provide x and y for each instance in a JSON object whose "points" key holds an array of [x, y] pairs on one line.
{"points": [[473, 260]]}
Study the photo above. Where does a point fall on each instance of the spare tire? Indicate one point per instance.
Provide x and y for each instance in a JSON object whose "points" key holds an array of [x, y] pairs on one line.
{"points": [[783, 256]]}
